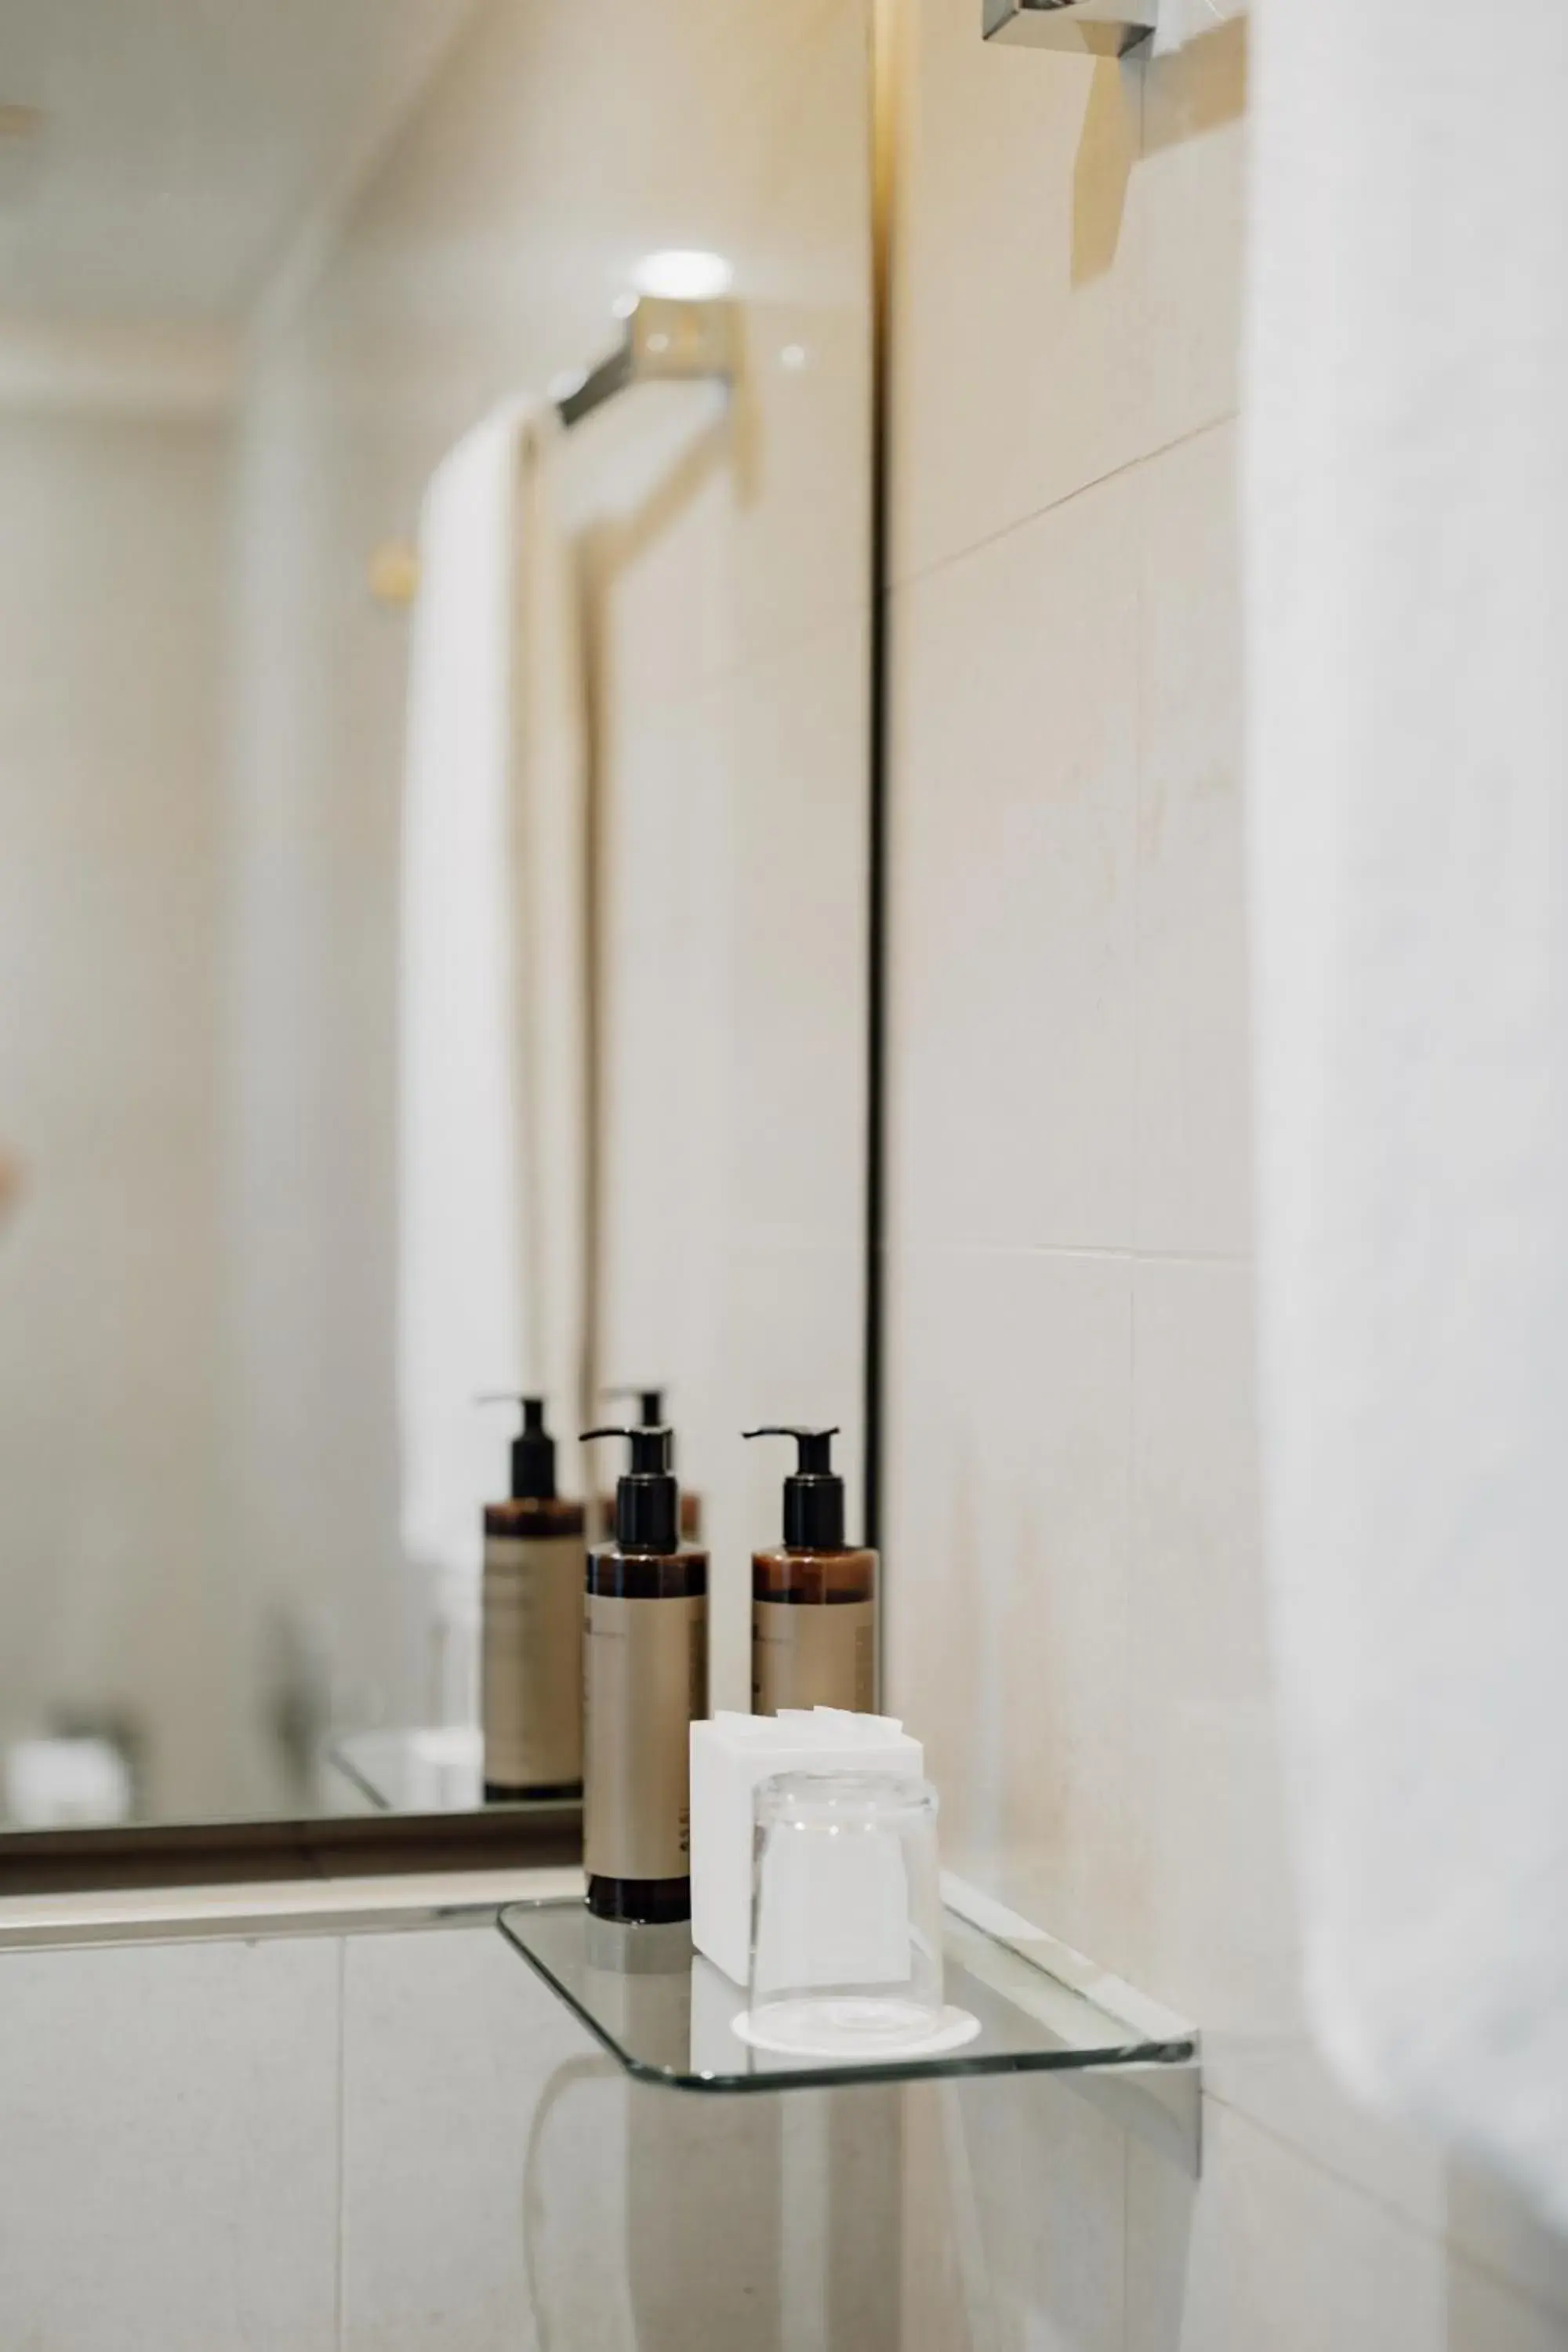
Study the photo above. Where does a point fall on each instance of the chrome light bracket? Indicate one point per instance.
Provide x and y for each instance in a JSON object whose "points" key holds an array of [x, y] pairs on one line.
{"points": [[1105, 28]]}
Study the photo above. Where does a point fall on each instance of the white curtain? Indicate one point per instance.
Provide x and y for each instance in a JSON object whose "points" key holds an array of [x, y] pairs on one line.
{"points": [[1407, 520]]}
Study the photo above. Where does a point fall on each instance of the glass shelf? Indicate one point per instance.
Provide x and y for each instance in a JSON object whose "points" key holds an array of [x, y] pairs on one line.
{"points": [[667, 2014], [434, 1768]]}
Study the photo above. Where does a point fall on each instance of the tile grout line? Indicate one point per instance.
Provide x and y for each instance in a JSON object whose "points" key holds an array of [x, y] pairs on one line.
{"points": [[1140, 644], [1128, 1256], [1131, 1589], [1133, 1585], [1133, 1418], [1126, 2239], [923, 573]]}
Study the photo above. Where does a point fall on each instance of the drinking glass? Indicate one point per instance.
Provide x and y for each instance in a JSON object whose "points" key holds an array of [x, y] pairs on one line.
{"points": [[846, 1915]]}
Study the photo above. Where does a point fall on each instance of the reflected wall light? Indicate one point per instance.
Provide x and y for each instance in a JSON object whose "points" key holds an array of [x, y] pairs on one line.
{"points": [[683, 274]]}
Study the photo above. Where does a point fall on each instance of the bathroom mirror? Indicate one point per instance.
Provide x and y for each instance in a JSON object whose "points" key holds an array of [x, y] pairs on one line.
{"points": [[322, 1111]]}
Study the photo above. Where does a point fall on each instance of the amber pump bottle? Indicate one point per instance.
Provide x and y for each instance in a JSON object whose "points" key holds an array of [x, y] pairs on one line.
{"points": [[531, 1643], [651, 1415], [814, 1601], [644, 1680]]}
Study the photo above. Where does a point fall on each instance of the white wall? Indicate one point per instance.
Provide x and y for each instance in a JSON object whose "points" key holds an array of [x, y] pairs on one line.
{"points": [[1077, 1612], [110, 1552], [480, 258], [406, 2142]]}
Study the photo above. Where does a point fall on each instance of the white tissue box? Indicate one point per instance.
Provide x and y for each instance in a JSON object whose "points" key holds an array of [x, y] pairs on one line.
{"points": [[730, 1755]]}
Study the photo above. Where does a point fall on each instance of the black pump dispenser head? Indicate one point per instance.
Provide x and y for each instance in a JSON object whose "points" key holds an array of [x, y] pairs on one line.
{"points": [[647, 1500], [813, 1494], [533, 1450], [651, 1404]]}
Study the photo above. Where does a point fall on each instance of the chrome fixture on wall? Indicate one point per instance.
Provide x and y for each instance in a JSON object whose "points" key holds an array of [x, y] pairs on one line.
{"points": [[1104, 27], [664, 339]]}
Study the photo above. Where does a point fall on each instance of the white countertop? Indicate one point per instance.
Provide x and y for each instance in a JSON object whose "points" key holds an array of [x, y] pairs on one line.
{"points": [[270, 1906]]}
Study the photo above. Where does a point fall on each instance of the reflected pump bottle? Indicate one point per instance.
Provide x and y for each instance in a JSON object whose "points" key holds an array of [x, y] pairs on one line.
{"points": [[645, 1682], [530, 1646], [814, 1601], [651, 1415]]}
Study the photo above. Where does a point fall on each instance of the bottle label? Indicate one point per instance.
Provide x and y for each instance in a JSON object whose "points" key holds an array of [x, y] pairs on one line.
{"points": [[806, 1655], [646, 1679], [531, 1680]]}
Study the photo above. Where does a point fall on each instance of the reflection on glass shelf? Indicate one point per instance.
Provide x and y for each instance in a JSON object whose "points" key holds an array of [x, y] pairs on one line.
{"points": [[437, 1770], [667, 2014], [434, 1768]]}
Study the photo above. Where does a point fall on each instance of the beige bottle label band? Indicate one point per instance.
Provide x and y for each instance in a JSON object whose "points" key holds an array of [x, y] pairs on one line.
{"points": [[646, 1667], [803, 1654], [530, 1674]]}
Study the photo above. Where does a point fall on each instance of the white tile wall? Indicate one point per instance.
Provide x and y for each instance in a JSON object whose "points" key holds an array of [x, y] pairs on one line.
{"points": [[1272, 2250], [1065, 210], [1188, 183], [453, 2051], [168, 2150], [1277, 2250], [401, 2141], [395, 2141], [1014, 800], [1076, 1613], [1194, 1143], [1212, 1919], [1027, 378], [1014, 2220], [1008, 1590], [1488, 2226]]}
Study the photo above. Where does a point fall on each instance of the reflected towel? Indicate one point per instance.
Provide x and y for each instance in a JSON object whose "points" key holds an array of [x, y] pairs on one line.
{"points": [[1409, 761], [492, 1047]]}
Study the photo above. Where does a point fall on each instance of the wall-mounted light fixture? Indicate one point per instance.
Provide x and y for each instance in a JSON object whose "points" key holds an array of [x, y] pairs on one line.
{"points": [[1102, 28]]}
